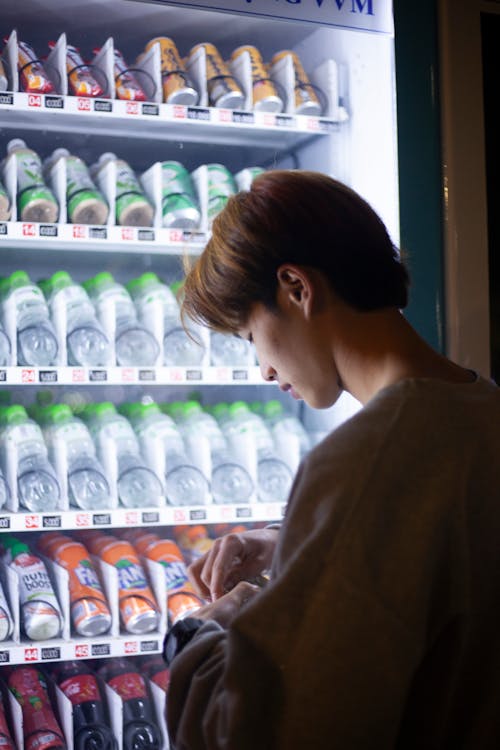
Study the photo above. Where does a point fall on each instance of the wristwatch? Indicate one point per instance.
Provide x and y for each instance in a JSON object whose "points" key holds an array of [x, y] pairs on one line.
{"points": [[179, 636]]}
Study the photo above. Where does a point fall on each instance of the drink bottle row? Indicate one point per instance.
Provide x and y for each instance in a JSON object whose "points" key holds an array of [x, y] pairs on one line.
{"points": [[203, 77], [116, 704], [98, 456], [102, 323], [64, 188], [93, 583]]}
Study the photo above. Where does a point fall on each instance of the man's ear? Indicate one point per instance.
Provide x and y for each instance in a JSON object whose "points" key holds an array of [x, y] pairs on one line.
{"points": [[295, 287]]}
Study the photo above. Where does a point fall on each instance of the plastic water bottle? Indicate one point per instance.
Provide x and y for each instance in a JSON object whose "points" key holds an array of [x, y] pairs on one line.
{"points": [[22, 442], [229, 480], [36, 338], [290, 438], [227, 350], [118, 449], [162, 445], [246, 431], [4, 490], [71, 308], [134, 345], [72, 449], [4, 347], [158, 311]]}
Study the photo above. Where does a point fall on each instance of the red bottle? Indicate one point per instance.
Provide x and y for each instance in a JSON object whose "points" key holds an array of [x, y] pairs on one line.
{"points": [[40, 728], [91, 726], [6, 741], [140, 731], [155, 668]]}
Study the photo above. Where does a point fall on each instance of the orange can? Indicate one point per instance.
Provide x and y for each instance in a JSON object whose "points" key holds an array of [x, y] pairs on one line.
{"points": [[265, 94], [181, 599], [176, 84], [138, 609], [223, 89], [89, 609], [306, 99]]}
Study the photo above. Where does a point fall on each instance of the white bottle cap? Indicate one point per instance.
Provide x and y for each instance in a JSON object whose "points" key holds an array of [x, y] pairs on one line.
{"points": [[15, 144]]}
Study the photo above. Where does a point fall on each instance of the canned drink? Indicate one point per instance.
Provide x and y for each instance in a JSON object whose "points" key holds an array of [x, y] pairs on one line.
{"points": [[6, 624], [181, 598], [194, 541], [179, 202], [89, 609], [138, 610], [32, 76], [223, 89], [177, 86], [306, 99], [126, 84], [221, 186], [246, 176], [265, 96], [81, 78]]}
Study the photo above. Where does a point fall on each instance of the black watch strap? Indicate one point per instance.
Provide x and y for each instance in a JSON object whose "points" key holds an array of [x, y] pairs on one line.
{"points": [[179, 636]]}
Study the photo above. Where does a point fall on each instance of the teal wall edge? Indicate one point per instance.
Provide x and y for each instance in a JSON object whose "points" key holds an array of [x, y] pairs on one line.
{"points": [[420, 171]]}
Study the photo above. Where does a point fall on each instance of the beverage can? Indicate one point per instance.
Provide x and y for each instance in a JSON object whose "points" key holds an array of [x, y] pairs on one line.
{"points": [[265, 95], [179, 202], [221, 186], [32, 76], [81, 78], [138, 609], [222, 87], [177, 86], [126, 84], [306, 96], [89, 609], [132, 208]]}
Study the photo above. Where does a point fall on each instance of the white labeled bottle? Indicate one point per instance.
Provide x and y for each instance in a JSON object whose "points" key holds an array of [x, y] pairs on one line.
{"points": [[41, 617], [85, 203], [134, 344], [35, 201], [71, 309], [290, 438], [72, 449], [163, 447], [5, 207], [118, 450], [22, 443], [246, 431], [227, 350], [132, 208], [158, 310], [24, 301], [5, 348], [230, 482]]}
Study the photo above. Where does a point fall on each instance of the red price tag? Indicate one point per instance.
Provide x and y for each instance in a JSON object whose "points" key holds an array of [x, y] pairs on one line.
{"points": [[312, 123], [128, 374], [225, 115], [176, 374], [34, 100], [127, 233], [27, 375], [31, 522], [180, 516], [131, 647], [79, 232], [132, 108], [30, 654], [29, 230], [180, 112], [82, 519], [78, 375], [83, 105], [82, 651], [131, 519], [175, 235], [269, 120]]}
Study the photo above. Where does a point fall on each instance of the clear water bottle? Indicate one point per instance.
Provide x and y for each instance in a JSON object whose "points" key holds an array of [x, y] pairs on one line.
{"points": [[4, 348], [22, 441], [162, 444], [134, 344], [36, 338], [4, 489], [86, 341], [117, 446], [156, 304], [227, 350], [290, 438], [229, 480], [246, 431], [71, 447]]}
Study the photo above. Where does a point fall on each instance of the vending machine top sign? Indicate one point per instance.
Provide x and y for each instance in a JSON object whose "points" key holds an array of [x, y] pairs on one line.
{"points": [[367, 15]]}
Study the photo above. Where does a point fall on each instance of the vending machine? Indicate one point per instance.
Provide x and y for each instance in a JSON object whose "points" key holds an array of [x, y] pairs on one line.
{"points": [[124, 127]]}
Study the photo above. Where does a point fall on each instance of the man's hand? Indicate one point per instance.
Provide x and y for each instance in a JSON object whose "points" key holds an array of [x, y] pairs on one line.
{"points": [[225, 609]]}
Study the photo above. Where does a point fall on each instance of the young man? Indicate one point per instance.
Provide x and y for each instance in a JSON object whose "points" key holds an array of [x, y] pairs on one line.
{"points": [[380, 627]]}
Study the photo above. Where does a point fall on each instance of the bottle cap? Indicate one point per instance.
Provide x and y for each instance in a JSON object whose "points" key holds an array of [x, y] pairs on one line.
{"points": [[220, 410], [272, 408], [18, 548], [192, 407], [145, 409], [59, 413], [15, 144], [15, 414], [176, 409], [239, 407], [18, 279], [106, 407], [102, 281], [59, 280]]}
